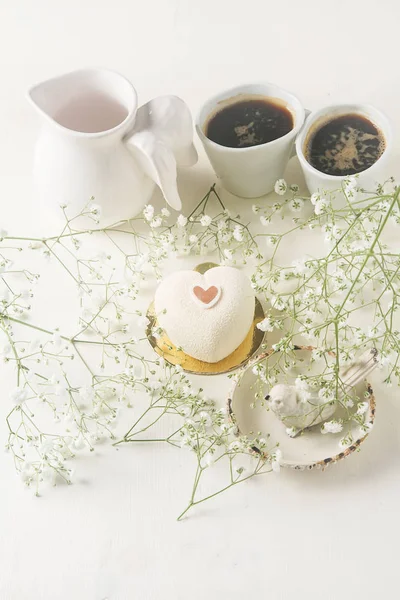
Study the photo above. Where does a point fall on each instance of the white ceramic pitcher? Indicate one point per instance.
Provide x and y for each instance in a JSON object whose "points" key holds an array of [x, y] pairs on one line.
{"points": [[95, 142]]}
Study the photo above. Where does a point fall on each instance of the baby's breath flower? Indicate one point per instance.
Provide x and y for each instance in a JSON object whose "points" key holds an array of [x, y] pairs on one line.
{"points": [[238, 233], [222, 225], [296, 204], [19, 395], [318, 353], [209, 459], [332, 427], [148, 212], [95, 209], [87, 394], [205, 220], [299, 266], [385, 360], [327, 394], [301, 384], [182, 221], [350, 185], [276, 460], [320, 206], [278, 303], [265, 325], [228, 254], [156, 222], [272, 240], [165, 212], [79, 443], [346, 441], [225, 428], [291, 431], [348, 402], [374, 331], [365, 429], [362, 408], [235, 445], [281, 187], [206, 418], [336, 232], [384, 206], [256, 369]]}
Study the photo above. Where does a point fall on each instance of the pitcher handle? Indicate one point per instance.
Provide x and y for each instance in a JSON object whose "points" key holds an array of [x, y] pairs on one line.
{"points": [[162, 139]]}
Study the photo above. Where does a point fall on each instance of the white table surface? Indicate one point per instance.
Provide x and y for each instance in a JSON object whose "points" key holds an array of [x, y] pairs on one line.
{"points": [[113, 534]]}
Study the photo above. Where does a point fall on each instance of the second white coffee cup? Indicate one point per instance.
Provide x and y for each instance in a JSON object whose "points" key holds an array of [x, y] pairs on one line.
{"points": [[250, 172], [318, 182]]}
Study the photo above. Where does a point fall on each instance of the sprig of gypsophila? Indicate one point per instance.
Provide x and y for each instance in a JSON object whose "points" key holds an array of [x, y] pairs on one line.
{"points": [[327, 300], [209, 229], [107, 295], [85, 411], [196, 423]]}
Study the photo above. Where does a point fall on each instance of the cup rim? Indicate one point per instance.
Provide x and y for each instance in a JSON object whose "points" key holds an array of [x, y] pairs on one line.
{"points": [[246, 87], [362, 108]]}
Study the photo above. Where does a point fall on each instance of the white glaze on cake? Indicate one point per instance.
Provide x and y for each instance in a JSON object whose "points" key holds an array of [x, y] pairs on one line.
{"points": [[208, 333]]}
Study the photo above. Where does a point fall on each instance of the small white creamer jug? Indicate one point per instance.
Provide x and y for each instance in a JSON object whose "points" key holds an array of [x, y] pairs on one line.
{"points": [[95, 142]]}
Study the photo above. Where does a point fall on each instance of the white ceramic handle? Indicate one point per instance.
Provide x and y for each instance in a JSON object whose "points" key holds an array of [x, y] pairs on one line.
{"points": [[162, 139], [307, 113]]}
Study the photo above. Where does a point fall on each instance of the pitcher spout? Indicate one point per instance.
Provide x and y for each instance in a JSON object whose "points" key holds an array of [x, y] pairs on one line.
{"points": [[89, 101]]}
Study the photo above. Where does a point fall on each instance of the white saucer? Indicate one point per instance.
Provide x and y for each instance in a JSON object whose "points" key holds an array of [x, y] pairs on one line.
{"points": [[311, 449]]}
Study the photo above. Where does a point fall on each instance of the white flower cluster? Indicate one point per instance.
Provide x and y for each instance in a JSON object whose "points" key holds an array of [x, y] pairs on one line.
{"points": [[332, 427], [201, 233], [318, 300]]}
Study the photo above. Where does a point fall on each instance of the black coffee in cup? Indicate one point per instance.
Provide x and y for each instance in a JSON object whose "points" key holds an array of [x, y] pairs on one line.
{"points": [[249, 122], [344, 145]]}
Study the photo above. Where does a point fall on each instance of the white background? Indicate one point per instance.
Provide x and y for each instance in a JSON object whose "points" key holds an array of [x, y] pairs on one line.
{"points": [[113, 534]]}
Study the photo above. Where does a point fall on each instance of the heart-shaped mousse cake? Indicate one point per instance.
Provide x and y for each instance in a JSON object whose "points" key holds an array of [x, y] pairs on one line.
{"points": [[209, 315]]}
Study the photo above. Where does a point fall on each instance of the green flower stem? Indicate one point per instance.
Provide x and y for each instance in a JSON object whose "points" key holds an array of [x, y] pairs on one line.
{"points": [[194, 503], [26, 324], [369, 254], [203, 200]]}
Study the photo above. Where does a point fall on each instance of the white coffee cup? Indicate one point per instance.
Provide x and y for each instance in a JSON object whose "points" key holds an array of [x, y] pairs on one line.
{"points": [[320, 182], [250, 172]]}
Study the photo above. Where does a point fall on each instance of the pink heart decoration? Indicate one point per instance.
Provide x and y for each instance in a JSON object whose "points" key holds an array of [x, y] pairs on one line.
{"points": [[205, 296]]}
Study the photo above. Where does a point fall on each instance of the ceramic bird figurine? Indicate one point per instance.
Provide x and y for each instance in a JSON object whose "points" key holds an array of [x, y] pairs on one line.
{"points": [[298, 407]]}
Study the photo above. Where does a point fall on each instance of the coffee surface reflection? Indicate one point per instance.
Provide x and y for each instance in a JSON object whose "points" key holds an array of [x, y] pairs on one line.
{"points": [[344, 145], [249, 122]]}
